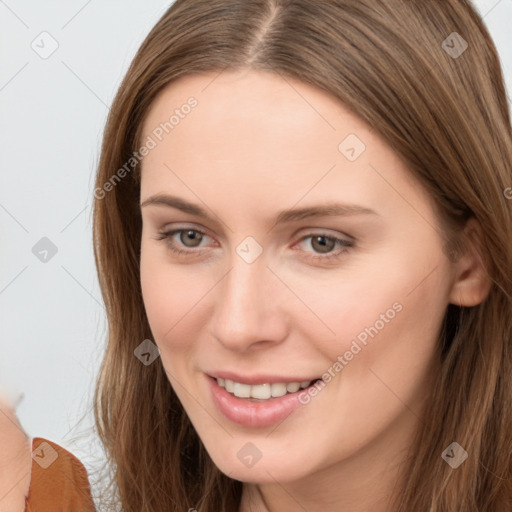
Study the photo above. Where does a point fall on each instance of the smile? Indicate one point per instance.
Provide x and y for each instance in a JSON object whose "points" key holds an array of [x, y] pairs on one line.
{"points": [[261, 391], [256, 405]]}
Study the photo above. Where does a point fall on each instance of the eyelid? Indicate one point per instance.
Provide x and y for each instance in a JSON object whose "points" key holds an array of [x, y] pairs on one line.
{"points": [[185, 227], [318, 231], [343, 239], [308, 230]]}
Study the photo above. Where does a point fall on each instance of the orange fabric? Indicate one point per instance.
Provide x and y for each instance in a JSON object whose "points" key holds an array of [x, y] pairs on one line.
{"points": [[59, 481]]}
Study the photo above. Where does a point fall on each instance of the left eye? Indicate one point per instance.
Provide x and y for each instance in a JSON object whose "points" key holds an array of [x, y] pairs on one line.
{"points": [[323, 241]]}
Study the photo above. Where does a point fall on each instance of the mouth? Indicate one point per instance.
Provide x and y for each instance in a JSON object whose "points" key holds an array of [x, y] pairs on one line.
{"points": [[262, 392], [261, 403]]}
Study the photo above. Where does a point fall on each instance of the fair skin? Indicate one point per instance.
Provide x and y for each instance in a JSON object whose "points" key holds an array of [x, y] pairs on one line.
{"points": [[16, 459], [254, 145]]}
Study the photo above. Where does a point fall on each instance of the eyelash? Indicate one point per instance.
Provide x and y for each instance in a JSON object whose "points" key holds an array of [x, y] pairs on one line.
{"points": [[345, 244]]}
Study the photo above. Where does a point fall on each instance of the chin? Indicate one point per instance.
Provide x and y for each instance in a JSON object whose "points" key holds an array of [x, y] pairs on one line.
{"points": [[263, 471]]}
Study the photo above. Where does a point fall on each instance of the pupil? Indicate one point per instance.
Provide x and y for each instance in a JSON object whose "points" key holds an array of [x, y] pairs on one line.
{"points": [[323, 242], [192, 235]]}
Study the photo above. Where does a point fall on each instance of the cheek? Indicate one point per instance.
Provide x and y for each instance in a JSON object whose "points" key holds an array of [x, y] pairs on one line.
{"points": [[355, 305], [387, 319], [167, 294], [164, 300], [387, 360], [175, 298]]}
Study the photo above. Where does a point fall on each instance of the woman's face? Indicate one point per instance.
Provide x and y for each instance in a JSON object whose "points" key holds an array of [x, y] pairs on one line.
{"points": [[350, 289]]}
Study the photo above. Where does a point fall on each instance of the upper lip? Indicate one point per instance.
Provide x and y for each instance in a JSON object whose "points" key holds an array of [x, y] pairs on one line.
{"points": [[256, 379]]}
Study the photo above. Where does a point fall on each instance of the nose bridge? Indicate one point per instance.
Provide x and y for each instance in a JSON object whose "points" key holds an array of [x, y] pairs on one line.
{"points": [[242, 290], [246, 303]]}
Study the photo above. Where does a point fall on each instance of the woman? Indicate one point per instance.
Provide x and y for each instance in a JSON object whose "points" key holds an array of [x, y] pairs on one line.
{"points": [[302, 236]]}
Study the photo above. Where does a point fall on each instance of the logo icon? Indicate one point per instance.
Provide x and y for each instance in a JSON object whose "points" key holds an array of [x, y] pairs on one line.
{"points": [[44, 45], [249, 454], [351, 147]]}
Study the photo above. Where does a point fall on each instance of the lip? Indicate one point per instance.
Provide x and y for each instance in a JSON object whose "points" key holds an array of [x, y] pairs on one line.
{"points": [[253, 414], [254, 380]]}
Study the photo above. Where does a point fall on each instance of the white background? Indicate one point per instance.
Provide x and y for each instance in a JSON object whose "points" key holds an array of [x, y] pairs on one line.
{"points": [[53, 111]]}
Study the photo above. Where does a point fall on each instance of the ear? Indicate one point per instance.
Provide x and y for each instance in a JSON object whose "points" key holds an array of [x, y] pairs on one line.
{"points": [[472, 283]]}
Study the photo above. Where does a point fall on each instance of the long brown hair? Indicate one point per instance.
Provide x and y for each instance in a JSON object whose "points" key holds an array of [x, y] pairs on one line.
{"points": [[403, 67]]}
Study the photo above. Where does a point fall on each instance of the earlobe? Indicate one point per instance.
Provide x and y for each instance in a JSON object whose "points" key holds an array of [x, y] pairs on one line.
{"points": [[472, 282]]}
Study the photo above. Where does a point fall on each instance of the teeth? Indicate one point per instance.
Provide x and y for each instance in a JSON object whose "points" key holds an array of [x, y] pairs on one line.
{"points": [[261, 391], [292, 387], [242, 390], [278, 389]]}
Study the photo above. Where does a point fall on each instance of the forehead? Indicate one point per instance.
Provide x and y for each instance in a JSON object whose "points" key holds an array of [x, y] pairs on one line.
{"points": [[249, 114], [249, 131]]}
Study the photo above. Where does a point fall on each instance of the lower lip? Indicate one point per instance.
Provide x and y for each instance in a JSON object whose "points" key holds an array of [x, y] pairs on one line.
{"points": [[253, 414]]}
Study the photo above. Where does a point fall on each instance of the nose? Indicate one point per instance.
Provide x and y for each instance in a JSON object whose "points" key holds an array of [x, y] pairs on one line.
{"points": [[248, 310]]}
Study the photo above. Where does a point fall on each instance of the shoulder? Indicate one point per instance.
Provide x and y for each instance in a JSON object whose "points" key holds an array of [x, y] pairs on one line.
{"points": [[59, 480], [16, 460]]}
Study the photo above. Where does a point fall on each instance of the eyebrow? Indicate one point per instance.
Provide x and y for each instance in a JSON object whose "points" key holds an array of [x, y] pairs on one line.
{"points": [[295, 214]]}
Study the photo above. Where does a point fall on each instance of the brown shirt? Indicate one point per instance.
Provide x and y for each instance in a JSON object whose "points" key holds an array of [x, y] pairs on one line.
{"points": [[59, 481]]}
